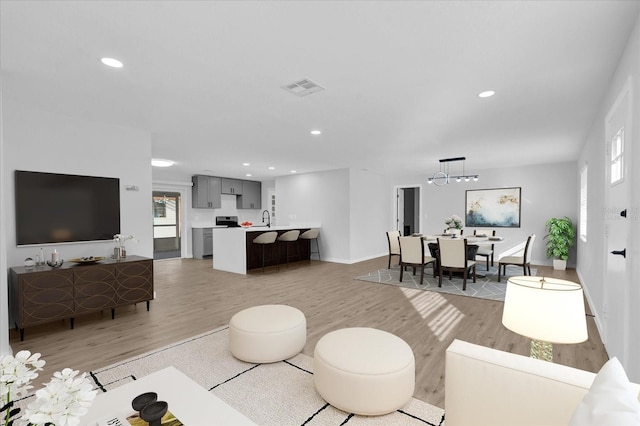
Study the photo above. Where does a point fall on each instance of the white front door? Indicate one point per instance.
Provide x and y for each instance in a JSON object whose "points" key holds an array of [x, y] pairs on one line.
{"points": [[617, 281]]}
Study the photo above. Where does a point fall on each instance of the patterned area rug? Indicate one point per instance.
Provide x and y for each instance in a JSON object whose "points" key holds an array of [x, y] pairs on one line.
{"points": [[278, 394], [485, 287]]}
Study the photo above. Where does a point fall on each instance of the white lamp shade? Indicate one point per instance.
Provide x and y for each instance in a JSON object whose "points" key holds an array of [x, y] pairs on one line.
{"points": [[546, 309]]}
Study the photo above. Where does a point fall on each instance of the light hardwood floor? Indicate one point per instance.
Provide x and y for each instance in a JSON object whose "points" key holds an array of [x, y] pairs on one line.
{"points": [[193, 298]]}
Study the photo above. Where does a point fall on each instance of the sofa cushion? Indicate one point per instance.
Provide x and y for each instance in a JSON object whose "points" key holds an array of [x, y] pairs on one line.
{"points": [[610, 401]]}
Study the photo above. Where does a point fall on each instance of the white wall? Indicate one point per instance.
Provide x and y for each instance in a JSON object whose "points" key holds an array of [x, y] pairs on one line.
{"points": [[321, 198], [549, 190], [369, 215], [593, 252], [41, 141]]}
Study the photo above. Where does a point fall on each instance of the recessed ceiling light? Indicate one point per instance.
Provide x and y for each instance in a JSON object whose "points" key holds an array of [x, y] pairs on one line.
{"points": [[315, 132], [248, 175], [486, 94], [293, 171], [246, 164], [158, 162], [271, 168], [110, 62]]}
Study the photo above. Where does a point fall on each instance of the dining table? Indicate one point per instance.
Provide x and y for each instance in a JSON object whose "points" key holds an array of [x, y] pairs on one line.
{"points": [[473, 244]]}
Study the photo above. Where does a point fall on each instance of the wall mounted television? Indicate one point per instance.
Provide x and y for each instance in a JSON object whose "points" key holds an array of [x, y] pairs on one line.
{"points": [[61, 208]]}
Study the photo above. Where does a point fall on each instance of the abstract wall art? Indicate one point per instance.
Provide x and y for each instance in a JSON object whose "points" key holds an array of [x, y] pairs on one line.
{"points": [[493, 208]]}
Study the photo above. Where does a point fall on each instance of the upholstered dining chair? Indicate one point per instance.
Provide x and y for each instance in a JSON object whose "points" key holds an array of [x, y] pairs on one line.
{"points": [[453, 258], [394, 245], [412, 254], [524, 260], [485, 250]]}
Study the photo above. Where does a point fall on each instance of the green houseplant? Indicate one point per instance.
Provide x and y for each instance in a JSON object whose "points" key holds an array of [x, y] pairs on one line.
{"points": [[561, 236]]}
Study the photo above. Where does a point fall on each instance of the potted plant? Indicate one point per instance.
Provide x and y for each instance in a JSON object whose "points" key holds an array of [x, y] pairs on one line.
{"points": [[561, 236]]}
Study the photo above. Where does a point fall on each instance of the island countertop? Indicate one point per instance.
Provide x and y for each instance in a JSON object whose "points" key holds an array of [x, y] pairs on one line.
{"points": [[233, 251]]}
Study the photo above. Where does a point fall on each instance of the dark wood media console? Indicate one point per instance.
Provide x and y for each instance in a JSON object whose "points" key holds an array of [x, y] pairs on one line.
{"points": [[44, 294]]}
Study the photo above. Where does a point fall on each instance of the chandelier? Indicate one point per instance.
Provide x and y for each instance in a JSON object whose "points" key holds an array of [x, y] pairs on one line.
{"points": [[443, 177]]}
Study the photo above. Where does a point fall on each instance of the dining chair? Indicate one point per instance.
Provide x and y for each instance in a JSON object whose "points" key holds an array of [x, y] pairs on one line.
{"points": [[412, 254], [524, 260], [454, 258], [394, 245], [485, 250]]}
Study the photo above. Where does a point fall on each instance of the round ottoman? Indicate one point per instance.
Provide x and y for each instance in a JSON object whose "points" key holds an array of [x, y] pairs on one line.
{"points": [[364, 370], [267, 333]]}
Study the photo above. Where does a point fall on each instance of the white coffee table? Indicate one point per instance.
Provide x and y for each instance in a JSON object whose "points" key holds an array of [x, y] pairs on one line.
{"points": [[188, 401]]}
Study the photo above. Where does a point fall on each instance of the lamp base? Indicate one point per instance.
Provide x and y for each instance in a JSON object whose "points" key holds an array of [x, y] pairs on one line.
{"points": [[541, 350]]}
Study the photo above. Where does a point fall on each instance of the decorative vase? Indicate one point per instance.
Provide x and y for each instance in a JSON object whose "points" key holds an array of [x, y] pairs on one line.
{"points": [[559, 264]]}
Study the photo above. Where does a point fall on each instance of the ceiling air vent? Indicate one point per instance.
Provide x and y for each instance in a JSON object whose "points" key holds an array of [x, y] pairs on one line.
{"points": [[303, 87]]}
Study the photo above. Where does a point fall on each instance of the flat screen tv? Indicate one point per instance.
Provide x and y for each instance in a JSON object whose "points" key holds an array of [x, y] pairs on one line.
{"points": [[60, 208]]}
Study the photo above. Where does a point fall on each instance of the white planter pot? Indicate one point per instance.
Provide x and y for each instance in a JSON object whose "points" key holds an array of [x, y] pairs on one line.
{"points": [[559, 264]]}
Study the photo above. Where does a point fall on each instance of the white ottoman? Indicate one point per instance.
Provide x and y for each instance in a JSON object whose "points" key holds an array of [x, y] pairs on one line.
{"points": [[364, 370], [267, 333]]}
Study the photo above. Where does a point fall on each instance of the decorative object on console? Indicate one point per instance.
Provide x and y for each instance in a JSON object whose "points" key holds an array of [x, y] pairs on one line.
{"points": [[120, 252], [87, 259], [443, 177], [62, 401], [547, 310], [493, 208], [56, 263]]}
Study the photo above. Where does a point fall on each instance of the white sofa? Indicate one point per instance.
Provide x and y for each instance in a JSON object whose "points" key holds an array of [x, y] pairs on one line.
{"points": [[485, 386]]}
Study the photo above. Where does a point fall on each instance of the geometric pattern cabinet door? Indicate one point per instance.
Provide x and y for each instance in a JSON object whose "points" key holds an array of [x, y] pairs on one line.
{"points": [[95, 288], [41, 297], [135, 282]]}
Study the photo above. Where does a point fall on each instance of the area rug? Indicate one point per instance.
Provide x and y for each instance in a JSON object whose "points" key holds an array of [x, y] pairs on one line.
{"points": [[485, 287], [278, 394]]}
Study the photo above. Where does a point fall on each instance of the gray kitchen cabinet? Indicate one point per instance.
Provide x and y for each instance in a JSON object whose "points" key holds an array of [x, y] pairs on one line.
{"points": [[205, 193], [231, 186], [251, 197], [202, 242]]}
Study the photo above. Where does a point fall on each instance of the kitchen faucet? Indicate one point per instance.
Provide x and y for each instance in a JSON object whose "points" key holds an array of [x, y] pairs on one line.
{"points": [[268, 218]]}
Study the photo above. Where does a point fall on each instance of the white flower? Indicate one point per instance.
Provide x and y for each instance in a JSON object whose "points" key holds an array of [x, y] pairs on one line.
{"points": [[16, 373], [120, 239], [62, 401], [454, 222]]}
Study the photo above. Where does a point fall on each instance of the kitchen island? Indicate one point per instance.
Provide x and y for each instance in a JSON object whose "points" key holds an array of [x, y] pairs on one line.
{"points": [[234, 251]]}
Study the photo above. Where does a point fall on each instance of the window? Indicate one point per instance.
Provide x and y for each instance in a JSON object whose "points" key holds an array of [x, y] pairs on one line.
{"points": [[582, 226], [617, 157]]}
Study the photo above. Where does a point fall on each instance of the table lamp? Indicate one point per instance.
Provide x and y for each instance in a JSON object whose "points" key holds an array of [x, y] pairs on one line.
{"points": [[547, 310]]}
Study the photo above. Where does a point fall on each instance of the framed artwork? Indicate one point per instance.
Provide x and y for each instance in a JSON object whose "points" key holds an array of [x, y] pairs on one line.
{"points": [[493, 208]]}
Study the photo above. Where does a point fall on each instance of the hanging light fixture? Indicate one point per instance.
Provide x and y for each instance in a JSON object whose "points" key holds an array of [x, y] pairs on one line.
{"points": [[443, 177]]}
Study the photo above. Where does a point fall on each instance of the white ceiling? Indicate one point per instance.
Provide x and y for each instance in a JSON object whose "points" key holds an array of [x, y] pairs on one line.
{"points": [[401, 78]]}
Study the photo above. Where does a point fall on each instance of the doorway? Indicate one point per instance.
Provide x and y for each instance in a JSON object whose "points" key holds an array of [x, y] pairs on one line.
{"points": [[407, 209], [167, 230]]}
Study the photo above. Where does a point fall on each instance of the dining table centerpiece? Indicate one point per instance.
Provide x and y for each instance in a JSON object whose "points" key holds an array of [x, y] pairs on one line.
{"points": [[453, 222]]}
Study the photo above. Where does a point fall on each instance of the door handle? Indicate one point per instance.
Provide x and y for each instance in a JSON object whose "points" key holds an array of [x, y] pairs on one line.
{"points": [[622, 252]]}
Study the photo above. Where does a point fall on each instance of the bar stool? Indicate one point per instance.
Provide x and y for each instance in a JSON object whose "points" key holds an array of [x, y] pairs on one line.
{"points": [[312, 234], [264, 239], [288, 238]]}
